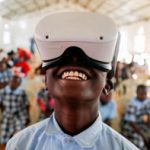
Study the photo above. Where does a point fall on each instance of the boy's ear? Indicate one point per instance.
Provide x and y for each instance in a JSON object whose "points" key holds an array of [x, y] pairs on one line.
{"points": [[108, 87]]}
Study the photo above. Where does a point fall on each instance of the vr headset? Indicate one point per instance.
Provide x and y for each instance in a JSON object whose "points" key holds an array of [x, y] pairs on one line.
{"points": [[94, 34]]}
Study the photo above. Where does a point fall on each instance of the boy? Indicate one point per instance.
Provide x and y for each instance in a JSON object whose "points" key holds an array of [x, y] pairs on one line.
{"points": [[14, 106], [107, 108], [45, 103], [77, 49], [136, 121]]}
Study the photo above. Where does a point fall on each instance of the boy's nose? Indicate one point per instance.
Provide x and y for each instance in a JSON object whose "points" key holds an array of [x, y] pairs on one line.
{"points": [[75, 56]]}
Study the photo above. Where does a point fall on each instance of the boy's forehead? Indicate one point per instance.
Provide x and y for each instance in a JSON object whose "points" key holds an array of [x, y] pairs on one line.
{"points": [[141, 90]]}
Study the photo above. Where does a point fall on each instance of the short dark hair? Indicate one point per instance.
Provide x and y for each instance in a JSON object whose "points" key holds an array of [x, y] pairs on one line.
{"points": [[141, 86]]}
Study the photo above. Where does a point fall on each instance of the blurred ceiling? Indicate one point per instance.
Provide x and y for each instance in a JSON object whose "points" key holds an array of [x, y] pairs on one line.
{"points": [[122, 11]]}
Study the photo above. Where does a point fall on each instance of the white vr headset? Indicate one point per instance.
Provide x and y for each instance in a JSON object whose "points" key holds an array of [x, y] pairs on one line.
{"points": [[95, 34]]}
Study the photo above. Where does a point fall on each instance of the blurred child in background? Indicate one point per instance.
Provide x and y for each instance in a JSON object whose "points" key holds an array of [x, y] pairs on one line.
{"points": [[15, 109], [107, 108], [136, 126], [45, 103]]}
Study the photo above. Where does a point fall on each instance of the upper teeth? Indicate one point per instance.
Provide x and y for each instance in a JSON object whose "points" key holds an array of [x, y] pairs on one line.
{"points": [[74, 75]]}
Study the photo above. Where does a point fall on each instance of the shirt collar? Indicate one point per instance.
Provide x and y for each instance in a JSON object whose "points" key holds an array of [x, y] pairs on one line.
{"points": [[85, 139], [9, 90], [52, 126], [88, 137]]}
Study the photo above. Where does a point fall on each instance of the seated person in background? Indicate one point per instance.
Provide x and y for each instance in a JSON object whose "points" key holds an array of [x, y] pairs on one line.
{"points": [[136, 120], [45, 103], [75, 47], [15, 110], [107, 108]]}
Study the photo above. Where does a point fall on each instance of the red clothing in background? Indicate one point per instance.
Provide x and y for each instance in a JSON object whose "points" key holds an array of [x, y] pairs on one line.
{"points": [[25, 68]]}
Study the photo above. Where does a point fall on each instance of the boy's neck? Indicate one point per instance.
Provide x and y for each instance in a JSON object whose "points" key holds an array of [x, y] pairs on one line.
{"points": [[73, 122], [141, 100], [13, 89]]}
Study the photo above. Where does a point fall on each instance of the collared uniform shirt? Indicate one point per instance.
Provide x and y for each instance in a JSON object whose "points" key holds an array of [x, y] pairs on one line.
{"points": [[138, 112], [47, 135], [15, 113], [137, 109], [13, 101]]}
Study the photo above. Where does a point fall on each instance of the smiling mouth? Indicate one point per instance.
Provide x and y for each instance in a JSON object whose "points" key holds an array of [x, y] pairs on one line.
{"points": [[74, 75]]}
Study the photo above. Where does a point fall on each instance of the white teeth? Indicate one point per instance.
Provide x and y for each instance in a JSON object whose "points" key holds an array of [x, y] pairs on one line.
{"points": [[71, 73], [74, 75], [73, 78]]}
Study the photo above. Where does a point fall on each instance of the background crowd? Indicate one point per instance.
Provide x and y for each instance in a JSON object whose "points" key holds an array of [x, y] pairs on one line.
{"points": [[24, 99]]}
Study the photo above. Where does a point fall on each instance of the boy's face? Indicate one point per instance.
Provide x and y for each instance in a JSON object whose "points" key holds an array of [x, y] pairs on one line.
{"points": [[142, 94], [15, 82], [75, 83]]}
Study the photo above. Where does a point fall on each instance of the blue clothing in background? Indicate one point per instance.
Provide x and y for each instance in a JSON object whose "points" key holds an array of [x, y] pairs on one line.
{"points": [[137, 111], [108, 111]]}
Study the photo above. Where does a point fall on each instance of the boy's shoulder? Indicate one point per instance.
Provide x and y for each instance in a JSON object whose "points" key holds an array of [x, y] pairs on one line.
{"points": [[119, 142], [133, 101], [23, 138]]}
